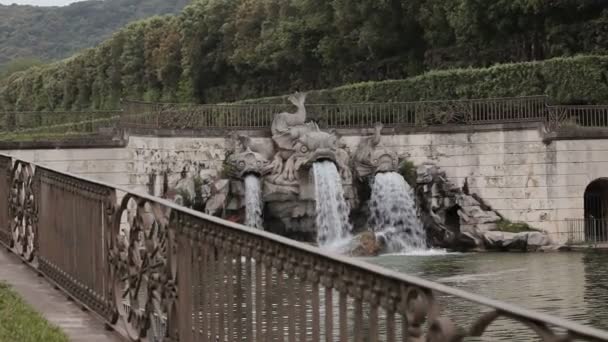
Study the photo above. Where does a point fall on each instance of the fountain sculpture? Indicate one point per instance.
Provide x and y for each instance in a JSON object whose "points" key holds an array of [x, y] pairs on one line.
{"points": [[305, 184]]}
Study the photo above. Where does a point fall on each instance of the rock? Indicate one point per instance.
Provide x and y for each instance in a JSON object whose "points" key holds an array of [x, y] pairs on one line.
{"points": [[483, 227], [185, 187], [467, 241], [497, 240], [476, 215], [219, 195], [518, 243], [365, 245], [555, 248], [294, 216], [279, 193], [535, 240], [424, 174], [466, 201]]}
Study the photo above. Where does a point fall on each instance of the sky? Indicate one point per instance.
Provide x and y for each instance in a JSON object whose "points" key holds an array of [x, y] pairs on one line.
{"points": [[38, 2]]}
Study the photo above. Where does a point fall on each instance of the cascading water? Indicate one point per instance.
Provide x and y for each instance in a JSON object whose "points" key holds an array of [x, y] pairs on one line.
{"points": [[253, 202], [333, 227], [393, 214]]}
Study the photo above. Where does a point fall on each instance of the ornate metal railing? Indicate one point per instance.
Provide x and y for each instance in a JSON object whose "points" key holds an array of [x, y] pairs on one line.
{"points": [[166, 273], [415, 114]]}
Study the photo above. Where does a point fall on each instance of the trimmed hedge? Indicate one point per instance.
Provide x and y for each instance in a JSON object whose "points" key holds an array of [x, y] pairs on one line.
{"points": [[575, 80]]}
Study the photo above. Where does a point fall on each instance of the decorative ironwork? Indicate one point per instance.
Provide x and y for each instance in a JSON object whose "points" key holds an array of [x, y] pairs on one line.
{"points": [[6, 236], [22, 210], [143, 275], [177, 274], [72, 253]]}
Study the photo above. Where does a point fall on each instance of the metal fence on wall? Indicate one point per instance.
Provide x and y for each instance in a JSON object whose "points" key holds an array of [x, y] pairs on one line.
{"points": [[587, 231], [349, 115], [184, 116], [34, 125], [167, 273]]}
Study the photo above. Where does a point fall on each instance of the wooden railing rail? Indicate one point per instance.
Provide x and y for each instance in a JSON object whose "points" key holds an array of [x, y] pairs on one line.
{"points": [[167, 273]]}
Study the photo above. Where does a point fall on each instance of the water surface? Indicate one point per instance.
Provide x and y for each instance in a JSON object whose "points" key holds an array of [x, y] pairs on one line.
{"points": [[569, 285]]}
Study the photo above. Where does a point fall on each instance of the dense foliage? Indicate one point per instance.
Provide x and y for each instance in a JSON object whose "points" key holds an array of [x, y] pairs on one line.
{"points": [[571, 80], [50, 33], [17, 65], [224, 50]]}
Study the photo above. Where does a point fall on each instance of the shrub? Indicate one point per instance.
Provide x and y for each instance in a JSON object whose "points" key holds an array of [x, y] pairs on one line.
{"points": [[575, 80], [407, 169]]}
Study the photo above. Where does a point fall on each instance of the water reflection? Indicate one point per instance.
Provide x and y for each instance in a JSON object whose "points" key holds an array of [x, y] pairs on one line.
{"points": [[569, 285], [596, 289], [266, 303]]}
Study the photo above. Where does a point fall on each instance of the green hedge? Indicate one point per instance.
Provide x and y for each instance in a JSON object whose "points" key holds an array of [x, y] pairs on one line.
{"points": [[575, 80]]}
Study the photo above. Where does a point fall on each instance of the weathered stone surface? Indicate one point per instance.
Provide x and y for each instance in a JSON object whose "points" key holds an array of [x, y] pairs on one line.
{"points": [[365, 245], [498, 240], [446, 205], [185, 186], [291, 218], [483, 227], [555, 248], [219, 197], [524, 241], [535, 240], [467, 241]]}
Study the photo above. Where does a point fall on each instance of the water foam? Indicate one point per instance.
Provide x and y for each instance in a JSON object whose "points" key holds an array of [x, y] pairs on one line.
{"points": [[393, 215], [253, 202], [333, 226]]}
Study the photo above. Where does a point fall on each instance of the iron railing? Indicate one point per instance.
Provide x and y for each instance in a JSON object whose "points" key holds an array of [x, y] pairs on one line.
{"points": [[46, 125], [415, 114], [589, 230], [166, 273], [184, 116], [578, 116]]}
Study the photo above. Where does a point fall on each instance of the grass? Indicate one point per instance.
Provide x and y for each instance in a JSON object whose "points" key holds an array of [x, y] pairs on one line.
{"points": [[20, 323], [514, 227]]}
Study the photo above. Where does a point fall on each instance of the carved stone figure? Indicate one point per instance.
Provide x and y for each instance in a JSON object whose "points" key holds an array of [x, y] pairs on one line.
{"points": [[371, 157], [288, 190]]}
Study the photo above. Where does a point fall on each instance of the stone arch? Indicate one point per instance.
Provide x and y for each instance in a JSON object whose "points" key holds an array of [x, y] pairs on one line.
{"points": [[596, 210]]}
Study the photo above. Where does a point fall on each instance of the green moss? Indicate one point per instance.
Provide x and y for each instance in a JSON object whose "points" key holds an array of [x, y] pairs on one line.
{"points": [[407, 169], [505, 225], [19, 322]]}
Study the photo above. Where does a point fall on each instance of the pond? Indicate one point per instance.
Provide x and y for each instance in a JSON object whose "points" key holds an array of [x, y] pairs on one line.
{"points": [[571, 285]]}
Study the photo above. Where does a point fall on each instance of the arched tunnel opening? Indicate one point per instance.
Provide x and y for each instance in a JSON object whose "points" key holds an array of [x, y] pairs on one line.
{"points": [[596, 210]]}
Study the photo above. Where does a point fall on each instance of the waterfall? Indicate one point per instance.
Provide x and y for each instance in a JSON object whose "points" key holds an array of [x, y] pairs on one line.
{"points": [[253, 202], [333, 227], [393, 214]]}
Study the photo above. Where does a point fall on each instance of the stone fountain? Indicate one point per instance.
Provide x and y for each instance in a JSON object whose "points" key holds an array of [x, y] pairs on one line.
{"points": [[305, 184]]}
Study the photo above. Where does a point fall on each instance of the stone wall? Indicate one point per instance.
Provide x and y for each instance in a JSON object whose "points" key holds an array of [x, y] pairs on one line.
{"points": [[512, 169]]}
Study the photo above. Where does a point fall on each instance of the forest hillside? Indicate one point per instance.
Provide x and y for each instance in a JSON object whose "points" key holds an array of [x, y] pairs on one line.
{"points": [[228, 50]]}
